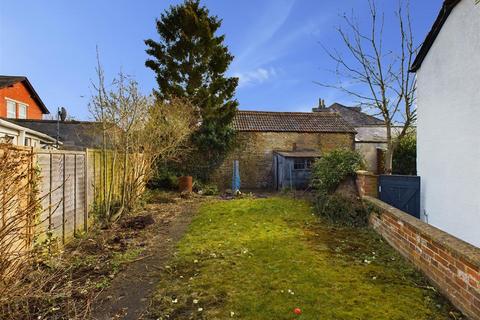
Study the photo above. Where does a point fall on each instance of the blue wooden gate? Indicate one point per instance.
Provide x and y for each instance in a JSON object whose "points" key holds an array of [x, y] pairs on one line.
{"points": [[401, 192]]}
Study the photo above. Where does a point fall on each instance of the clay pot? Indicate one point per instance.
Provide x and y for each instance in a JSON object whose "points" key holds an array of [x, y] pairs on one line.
{"points": [[185, 184]]}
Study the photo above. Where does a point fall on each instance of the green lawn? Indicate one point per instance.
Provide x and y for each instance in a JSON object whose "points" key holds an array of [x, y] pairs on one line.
{"points": [[261, 258]]}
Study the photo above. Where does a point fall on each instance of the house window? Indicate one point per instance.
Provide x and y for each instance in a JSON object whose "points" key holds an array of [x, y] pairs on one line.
{"points": [[302, 164], [11, 109], [22, 111], [308, 163], [299, 164]]}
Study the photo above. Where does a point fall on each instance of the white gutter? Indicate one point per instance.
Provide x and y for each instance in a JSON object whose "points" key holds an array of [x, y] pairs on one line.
{"points": [[24, 130]]}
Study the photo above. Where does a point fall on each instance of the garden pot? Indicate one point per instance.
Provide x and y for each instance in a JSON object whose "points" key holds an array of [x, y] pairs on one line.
{"points": [[185, 184]]}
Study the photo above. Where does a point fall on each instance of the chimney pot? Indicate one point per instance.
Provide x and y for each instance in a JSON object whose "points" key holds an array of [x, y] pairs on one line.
{"points": [[321, 106]]}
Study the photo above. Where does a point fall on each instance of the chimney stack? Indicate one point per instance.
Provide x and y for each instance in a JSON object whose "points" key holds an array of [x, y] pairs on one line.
{"points": [[321, 106]]}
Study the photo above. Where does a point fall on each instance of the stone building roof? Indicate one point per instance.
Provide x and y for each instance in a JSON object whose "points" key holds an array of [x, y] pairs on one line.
{"points": [[355, 116], [263, 121], [299, 154], [75, 135]]}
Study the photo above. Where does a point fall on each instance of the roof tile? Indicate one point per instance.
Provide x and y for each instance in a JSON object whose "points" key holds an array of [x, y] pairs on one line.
{"points": [[290, 122]]}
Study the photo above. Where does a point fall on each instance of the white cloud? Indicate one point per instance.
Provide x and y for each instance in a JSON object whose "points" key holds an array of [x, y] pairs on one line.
{"points": [[257, 76], [263, 28]]}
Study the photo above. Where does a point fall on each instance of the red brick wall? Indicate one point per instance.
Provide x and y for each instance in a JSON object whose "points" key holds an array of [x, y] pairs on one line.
{"points": [[451, 264], [19, 93]]}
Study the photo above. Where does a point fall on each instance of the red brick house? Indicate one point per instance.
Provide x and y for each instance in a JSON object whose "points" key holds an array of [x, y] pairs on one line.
{"points": [[19, 100]]}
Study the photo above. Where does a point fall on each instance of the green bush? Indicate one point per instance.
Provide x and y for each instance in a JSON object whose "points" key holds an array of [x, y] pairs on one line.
{"points": [[405, 156], [164, 179], [334, 167], [342, 210], [206, 189], [327, 174]]}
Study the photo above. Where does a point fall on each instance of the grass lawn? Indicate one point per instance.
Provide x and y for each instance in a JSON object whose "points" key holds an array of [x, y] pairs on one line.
{"points": [[261, 258]]}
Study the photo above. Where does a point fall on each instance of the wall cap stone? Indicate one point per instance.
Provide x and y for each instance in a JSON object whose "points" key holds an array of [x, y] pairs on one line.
{"points": [[455, 246], [365, 173]]}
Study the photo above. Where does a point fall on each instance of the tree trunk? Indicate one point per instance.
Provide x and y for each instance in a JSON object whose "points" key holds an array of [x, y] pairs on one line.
{"points": [[389, 152], [125, 168]]}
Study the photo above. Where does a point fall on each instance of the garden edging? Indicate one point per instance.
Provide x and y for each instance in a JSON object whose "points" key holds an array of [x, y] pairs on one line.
{"points": [[451, 264]]}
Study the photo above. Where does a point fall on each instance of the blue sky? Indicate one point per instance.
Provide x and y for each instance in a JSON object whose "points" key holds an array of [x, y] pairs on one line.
{"points": [[275, 42]]}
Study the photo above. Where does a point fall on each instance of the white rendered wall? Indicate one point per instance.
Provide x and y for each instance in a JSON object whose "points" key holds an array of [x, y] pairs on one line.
{"points": [[369, 153], [449, 126]]}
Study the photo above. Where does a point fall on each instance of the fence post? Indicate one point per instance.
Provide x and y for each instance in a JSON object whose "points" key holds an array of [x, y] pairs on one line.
{"points": [[31, 177], [50, 193], [63, 200], [75, 195], [85, 203], [94, 176]]}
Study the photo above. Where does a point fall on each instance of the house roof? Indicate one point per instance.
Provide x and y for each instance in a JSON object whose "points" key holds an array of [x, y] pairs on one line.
{"points": [[354, 116], [447, 8], [75, 135], [263, 121], [6, 81]]}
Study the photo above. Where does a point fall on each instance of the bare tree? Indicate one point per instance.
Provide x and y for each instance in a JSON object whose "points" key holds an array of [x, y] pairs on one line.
{"points": [[140, 130], [99, 108], [378, 78]]}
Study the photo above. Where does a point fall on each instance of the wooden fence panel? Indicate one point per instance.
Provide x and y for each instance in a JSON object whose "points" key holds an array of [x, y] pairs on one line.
{"points": [[44, 163], [90, 167], [17, 210], [57, 196], [80, 192], [69, 185], [64, 180], [69, 195]]}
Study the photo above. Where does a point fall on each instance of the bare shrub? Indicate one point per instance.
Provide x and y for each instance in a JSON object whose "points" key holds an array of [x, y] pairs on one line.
{"points": [[137, 131], [19, 208]]}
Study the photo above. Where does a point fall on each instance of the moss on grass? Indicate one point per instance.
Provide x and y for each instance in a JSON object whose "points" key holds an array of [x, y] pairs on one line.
{"points": [[261, 258]]}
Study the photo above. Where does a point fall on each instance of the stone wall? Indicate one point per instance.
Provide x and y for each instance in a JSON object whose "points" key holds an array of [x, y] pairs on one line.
{"points": [[254, 150], [451, 264], [367, 184]]}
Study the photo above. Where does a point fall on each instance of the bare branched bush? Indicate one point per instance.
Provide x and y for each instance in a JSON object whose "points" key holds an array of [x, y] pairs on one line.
{"points": [[137, 131], [20, 212], [19, 208]]}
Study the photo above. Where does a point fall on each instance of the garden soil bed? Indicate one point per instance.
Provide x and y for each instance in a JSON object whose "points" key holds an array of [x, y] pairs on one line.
{"points": [[105, 274], [127, 296]]}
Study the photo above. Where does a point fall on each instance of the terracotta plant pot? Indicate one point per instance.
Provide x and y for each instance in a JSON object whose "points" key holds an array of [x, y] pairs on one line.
{"points": [[185, 184]]}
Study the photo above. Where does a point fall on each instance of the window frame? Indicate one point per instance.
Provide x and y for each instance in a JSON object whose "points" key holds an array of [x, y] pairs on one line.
{"points": [[303, 164], [19, 106], [9, 103]]}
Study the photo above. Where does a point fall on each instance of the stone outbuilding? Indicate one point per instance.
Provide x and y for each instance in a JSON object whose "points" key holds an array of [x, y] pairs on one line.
{"points": [[275, 150]]}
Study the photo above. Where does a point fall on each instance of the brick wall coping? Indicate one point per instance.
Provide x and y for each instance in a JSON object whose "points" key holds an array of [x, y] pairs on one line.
{"points": [[455, 246], [366, 173]]}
